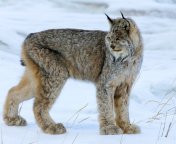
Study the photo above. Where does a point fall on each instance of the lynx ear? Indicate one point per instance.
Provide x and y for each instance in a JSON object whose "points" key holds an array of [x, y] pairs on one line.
{"points": [[124, 18], [109, 20]]}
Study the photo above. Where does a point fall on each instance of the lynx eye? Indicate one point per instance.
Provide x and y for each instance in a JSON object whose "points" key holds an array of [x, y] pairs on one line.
{"points": [[108, 38]]}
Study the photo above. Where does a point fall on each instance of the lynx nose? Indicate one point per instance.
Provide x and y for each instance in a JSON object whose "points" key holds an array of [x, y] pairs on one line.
{"points": [[112, 46]]}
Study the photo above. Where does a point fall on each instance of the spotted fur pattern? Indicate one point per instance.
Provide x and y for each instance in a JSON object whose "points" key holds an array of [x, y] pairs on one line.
{"points": [[111, 60]]}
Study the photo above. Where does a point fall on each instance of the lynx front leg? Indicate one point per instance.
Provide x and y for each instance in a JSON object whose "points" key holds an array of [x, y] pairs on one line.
{"points": [[121, 104], [47, 94], [23, 91], [106, 114]]}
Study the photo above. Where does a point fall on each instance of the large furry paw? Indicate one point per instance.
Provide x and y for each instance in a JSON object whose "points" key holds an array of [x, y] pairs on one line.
{"points": [[55, 129], [15, 121], [111, 130], [132, 129]]}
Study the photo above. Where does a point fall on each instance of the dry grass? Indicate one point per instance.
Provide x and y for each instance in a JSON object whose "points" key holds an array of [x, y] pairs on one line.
{"points": [[70, 127], [83, 119], [75, 138], [77, 113], [159, 133], [171, 124], [122, 138], [38, 135], [163, 113]]}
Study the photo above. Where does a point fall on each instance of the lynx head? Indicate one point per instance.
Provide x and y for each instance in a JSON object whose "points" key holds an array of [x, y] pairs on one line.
{"points": [[123, 37]]}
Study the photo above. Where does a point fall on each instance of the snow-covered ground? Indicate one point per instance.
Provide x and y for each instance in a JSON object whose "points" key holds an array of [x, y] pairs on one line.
{"points": [[155, 86]]}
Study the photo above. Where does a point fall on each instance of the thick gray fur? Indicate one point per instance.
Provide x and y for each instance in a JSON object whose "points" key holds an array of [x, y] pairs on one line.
{"points": [[111, 60]]}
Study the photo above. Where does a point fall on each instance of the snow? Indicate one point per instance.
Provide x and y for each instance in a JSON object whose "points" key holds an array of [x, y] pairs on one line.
{"points": [[157, 21]]}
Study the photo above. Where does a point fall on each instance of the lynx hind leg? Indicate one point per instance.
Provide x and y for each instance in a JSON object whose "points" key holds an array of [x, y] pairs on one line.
{"points": [[22, 92], [121, 104], [45, 98], [50, 73]]}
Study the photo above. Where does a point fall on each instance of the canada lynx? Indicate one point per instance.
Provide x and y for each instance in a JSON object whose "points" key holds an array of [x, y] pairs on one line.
{"points": [[111, 60]]}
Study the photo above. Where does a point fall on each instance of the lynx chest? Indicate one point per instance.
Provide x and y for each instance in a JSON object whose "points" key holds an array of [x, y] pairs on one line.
{"points": [[123, 73]]}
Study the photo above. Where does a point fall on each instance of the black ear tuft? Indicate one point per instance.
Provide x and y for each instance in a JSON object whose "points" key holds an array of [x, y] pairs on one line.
{"points": [[124, 18], [122, 15], [109, 19]]}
